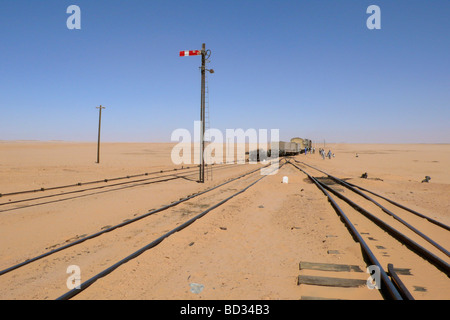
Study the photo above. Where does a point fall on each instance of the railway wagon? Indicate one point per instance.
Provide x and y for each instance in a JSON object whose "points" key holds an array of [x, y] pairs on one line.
{"points": [[284, 149], [259, 155], [300, 142], [308, 143], [303, 143], [287, 148]]}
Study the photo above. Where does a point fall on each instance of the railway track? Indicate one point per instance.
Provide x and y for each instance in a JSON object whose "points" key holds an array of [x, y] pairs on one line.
{"points": [[43, 189], [40, 276], [74, 191], [413, 264]]}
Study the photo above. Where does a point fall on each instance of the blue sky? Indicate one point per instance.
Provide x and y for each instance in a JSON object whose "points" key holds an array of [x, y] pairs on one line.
{"points": [[309, 68]]}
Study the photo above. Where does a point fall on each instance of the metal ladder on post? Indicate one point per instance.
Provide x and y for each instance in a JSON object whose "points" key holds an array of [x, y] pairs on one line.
{"points": [[208, 170]]}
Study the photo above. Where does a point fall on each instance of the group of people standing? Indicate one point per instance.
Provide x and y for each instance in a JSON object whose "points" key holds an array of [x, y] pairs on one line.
{"points": [[328, 154], [324, 155]]}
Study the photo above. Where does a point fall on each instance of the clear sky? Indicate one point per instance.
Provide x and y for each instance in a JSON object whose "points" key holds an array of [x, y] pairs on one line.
{"points": [[309, 68]]}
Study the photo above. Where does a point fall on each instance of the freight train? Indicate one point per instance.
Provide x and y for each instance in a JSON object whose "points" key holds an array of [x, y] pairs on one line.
{"points": [[292, 148]]}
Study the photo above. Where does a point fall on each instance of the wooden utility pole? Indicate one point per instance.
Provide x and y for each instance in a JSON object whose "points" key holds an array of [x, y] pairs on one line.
{"points": [[99, 126]]}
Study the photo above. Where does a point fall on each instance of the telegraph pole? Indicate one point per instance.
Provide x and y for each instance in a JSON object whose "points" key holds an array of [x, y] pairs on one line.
{"points": [[99, 126]]}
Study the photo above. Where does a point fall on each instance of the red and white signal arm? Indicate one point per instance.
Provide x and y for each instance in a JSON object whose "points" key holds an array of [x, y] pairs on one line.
{"points": [[190, 53]]}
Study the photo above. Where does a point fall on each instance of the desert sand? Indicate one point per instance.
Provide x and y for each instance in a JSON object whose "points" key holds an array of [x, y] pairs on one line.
{"points": [[248, 248]]}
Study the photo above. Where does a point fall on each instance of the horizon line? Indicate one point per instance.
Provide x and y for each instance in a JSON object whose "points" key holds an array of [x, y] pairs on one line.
{"points": [[177, 142]]}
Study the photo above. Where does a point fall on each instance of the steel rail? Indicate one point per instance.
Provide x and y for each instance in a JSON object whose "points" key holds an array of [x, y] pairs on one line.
{"points": [[414, 246], [399, 283], [175, 203], [87, 283], [98, 187], [408, 225], [91, 182], [128, 184], [140, 181], [387, 286], [438, 223]]}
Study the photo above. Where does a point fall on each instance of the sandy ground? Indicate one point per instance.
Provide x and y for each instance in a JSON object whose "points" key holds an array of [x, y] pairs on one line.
{"points": [[248, 248]]}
